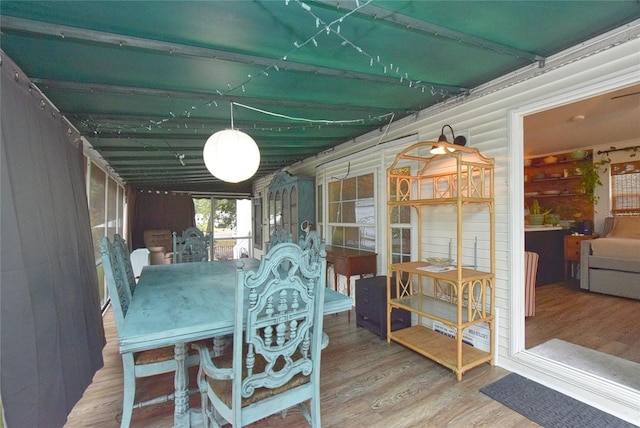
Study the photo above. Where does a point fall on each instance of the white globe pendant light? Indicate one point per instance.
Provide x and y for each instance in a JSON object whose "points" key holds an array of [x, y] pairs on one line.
{"points": [[231, 155]]}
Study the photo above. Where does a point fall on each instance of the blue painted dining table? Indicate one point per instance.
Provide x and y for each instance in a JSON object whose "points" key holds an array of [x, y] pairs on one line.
{"points": [[176, 304]]}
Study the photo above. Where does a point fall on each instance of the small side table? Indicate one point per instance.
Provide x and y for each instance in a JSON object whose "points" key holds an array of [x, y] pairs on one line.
{"points": [[349, 262], [572, 252]]}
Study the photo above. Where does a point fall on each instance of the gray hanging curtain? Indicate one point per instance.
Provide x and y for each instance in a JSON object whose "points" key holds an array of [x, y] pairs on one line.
{"points": [[51, 332]]}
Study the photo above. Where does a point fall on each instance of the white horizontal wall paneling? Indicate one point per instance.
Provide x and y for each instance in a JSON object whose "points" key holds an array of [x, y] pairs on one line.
{"points": [[486, 117], [490, 114], [599, 73]]}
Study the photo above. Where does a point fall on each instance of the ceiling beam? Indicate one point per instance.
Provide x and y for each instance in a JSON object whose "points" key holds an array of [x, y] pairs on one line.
{"points": [[204, 97], [10, 23], [192, 134], [425, 27], [198, 149]]}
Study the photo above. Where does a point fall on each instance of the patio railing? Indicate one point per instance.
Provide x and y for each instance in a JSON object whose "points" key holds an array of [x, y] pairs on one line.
{"points": [[232, 247]]}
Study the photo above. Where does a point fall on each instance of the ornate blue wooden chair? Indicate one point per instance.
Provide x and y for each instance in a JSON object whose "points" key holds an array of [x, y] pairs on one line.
{"points": [[311, 243], [138, 364], [278, 237], [122, 252], [192, 246], [313, 247], [274, 363]]}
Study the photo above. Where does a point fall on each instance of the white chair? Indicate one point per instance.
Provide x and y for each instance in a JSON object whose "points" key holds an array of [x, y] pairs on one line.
{"points": [[274, 363], [138, 364], [139, 259]]}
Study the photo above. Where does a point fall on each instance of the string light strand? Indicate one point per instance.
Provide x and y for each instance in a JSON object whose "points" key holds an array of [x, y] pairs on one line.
{"points": [[333, 27], [302, 119]]}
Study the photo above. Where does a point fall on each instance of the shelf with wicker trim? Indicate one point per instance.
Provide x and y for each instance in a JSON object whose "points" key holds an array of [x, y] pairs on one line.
{"points": [[451, 300]]}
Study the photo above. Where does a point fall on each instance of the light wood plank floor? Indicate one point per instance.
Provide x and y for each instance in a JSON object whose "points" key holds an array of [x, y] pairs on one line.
{"points": [[605, 323], [368, 382]]}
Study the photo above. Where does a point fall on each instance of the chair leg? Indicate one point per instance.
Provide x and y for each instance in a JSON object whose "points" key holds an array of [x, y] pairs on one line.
{"points": [[204, 399], [315, 411], [129, 389]]}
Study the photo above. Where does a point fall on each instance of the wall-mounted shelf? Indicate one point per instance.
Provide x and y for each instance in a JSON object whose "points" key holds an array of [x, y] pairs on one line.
{"points": [[559, 185], [559, 195]]}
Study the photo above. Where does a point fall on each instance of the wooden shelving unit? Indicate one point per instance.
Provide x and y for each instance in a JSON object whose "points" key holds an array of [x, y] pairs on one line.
{"points": [[449, 303], [558, 186]]}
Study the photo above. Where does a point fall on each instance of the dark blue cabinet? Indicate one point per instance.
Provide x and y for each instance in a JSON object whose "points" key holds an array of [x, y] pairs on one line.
{"points": [[371, 307]]}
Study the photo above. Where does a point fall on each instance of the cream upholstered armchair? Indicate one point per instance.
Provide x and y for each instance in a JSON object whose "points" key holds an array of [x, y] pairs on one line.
{"points": [[159, 242]]}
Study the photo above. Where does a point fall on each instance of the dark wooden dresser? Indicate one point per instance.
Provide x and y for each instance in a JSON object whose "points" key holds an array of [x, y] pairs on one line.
{"points": [[371, 307]]}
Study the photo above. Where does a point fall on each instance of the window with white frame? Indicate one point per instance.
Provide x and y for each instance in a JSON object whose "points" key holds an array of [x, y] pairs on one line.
{"points": [[400, 222], [625, 188], [351, 212], [319, 214]]}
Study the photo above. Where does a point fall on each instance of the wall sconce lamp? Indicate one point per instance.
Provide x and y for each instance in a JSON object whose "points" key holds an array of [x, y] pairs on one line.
{"points": [[439, 148], [231, 155]]}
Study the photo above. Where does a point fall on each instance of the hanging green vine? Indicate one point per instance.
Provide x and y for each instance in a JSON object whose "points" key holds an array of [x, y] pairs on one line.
{"points": [[591, 172]]}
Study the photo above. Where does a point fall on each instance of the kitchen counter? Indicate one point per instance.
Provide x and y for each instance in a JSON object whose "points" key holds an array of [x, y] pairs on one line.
{"points": [[550, 247], [528, 228]]}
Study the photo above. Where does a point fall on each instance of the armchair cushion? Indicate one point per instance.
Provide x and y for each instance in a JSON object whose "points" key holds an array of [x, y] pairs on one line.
{"points": [[627, 227], [158, 238], [159, 242]]}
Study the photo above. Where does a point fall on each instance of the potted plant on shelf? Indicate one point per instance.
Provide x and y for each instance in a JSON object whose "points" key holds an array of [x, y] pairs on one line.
{"points": [[536, 214]]}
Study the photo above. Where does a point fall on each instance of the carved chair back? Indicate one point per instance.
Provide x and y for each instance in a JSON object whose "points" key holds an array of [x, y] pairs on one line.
{"points": [[192, 246], [278, 237], [312, 245], [122, 253], [116, 279], [275, 361], [282, 314]]}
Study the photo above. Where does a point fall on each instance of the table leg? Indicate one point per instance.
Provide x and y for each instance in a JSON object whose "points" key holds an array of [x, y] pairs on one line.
{"points": [[219, 343], [335, 286], [335, 279], [181, 398]]}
